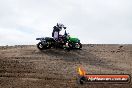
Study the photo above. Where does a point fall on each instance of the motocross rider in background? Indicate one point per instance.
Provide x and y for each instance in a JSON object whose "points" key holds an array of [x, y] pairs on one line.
{"points": [[56, 31]]}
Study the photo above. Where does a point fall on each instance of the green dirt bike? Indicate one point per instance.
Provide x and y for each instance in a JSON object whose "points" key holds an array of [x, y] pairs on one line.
{"points": [[64, 42]]}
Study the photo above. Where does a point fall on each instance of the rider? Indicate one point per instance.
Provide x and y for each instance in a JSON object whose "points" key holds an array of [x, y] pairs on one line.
{"points": [[56, 31]]}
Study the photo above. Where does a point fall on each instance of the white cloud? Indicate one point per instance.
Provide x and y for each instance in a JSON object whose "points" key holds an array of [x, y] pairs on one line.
{"points": [[93, 21]]}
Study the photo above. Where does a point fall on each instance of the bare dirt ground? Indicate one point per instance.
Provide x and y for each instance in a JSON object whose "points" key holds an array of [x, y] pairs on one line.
{"points": [[27, 67]]}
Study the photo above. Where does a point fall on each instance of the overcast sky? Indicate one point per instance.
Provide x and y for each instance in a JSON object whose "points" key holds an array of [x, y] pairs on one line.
{"points": [[92, 21]]}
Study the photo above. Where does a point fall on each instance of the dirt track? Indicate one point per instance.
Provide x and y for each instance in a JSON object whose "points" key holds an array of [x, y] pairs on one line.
{"points": [[27, 67]]}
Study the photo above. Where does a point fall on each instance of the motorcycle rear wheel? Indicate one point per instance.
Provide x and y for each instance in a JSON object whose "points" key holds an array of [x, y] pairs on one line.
{"points": [[42, 46]]}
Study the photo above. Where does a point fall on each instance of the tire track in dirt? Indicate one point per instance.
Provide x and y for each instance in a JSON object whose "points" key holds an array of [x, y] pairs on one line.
{"points": [[26, 66]]}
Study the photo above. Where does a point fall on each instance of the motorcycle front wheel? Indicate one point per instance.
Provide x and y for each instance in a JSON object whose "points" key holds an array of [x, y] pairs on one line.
{"points": [[78, 45]]}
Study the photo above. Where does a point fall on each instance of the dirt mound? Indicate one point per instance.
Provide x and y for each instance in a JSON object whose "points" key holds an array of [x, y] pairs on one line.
{"points": [[27, 67]]}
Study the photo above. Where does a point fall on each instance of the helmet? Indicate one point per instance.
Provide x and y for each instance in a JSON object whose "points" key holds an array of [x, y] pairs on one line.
{"points": [[60, 25]]}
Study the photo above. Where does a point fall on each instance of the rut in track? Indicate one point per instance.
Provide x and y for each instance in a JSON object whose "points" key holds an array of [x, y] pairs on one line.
{"points": [[26, 66]]}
